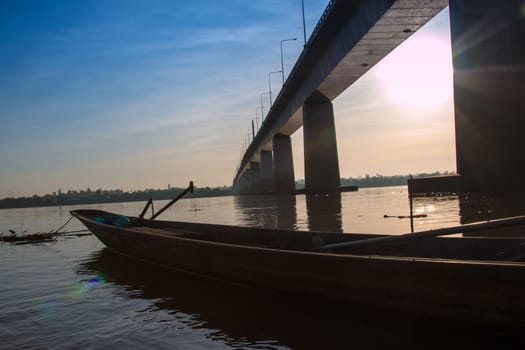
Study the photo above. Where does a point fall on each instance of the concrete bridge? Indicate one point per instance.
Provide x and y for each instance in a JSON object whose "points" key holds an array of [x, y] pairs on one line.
{"points": [[351, 37]]}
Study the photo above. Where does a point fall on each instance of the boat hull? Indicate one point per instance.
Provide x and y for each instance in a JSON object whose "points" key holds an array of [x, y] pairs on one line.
{"points": [[486, 292]]}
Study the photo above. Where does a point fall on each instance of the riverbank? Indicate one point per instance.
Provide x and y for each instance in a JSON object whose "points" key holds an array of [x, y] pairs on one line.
{"points": [[99, 196], [107, 196]]}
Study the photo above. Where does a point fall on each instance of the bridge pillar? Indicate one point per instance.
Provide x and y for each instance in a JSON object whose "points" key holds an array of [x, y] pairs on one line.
{"points": [[235, 186], [488, 53], [321, 164], [243, 184], [283, 174], [255, 171], [266, 171], [247, 181]]}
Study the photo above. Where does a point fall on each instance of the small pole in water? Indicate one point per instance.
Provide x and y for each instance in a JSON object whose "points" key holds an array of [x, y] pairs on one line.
{"points": [[410, 201]]}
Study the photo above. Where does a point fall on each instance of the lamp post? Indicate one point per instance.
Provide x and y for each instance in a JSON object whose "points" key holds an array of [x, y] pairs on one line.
{"points": [[270, 84], [282, 63], [304, 23], [257, 117], [262, 105]]}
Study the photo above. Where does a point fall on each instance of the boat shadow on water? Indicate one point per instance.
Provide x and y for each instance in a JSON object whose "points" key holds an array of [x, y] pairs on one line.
{"points": [[255, 318]]}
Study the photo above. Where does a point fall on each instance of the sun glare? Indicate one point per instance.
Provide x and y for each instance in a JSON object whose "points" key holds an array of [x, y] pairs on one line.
{"points": [[419, 73]]}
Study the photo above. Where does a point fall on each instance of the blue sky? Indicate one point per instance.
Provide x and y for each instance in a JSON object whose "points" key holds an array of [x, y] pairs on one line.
{"points": [[142, 94]]}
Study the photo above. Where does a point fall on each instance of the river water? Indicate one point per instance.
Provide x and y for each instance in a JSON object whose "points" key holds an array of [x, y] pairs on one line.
{"points": [[74, 293]]}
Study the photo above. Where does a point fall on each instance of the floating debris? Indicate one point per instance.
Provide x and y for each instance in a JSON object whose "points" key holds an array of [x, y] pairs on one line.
{"points": [[13, 237], [41, 237], [405, 216]]}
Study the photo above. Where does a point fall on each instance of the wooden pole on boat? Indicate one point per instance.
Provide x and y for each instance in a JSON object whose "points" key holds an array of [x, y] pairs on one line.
{"points": [[189, 189], [499, 223], [150, 202], [410, 201]]}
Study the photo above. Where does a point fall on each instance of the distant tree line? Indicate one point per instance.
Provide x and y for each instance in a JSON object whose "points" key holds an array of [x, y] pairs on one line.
{"points": [[379, 180], [88, 196]]}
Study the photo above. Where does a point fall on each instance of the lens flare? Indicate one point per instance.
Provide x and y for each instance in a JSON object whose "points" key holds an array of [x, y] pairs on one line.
{"points": [[47, 308], [86, 286]]}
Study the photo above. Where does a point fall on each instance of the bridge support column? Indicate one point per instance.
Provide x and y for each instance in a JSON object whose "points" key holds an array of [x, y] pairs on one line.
{"points": [[255, 171], [266, 171], [283, 174], [244, 182], [489, 83], [321, 164]]}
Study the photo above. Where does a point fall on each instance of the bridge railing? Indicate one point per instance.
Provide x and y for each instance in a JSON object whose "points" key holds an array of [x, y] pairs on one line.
{"points": [[321, 20]]}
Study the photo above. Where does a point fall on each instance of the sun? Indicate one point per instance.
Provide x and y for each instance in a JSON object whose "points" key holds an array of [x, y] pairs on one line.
{"points": [[418, 74]]}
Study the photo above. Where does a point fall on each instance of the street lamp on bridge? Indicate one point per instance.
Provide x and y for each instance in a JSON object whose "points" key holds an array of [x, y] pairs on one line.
{"points": [[282, 63], [270, 84], [257, 117], [262, 105], [304, 23]]}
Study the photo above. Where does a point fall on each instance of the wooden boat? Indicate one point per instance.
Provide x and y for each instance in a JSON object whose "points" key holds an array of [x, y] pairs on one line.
{"points": [[478, 279]]}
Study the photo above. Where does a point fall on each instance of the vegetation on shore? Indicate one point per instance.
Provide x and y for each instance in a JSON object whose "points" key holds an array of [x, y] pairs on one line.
{"points": [[88, 196], [382, 181], [379, 180]]}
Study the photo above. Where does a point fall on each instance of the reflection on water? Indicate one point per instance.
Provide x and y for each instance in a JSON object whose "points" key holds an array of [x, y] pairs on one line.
{"points": [[243, 317], [324, 212], [268, 211], [365, 211], [481, 207], [474, 207], [122, 303], [362, 211]]}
